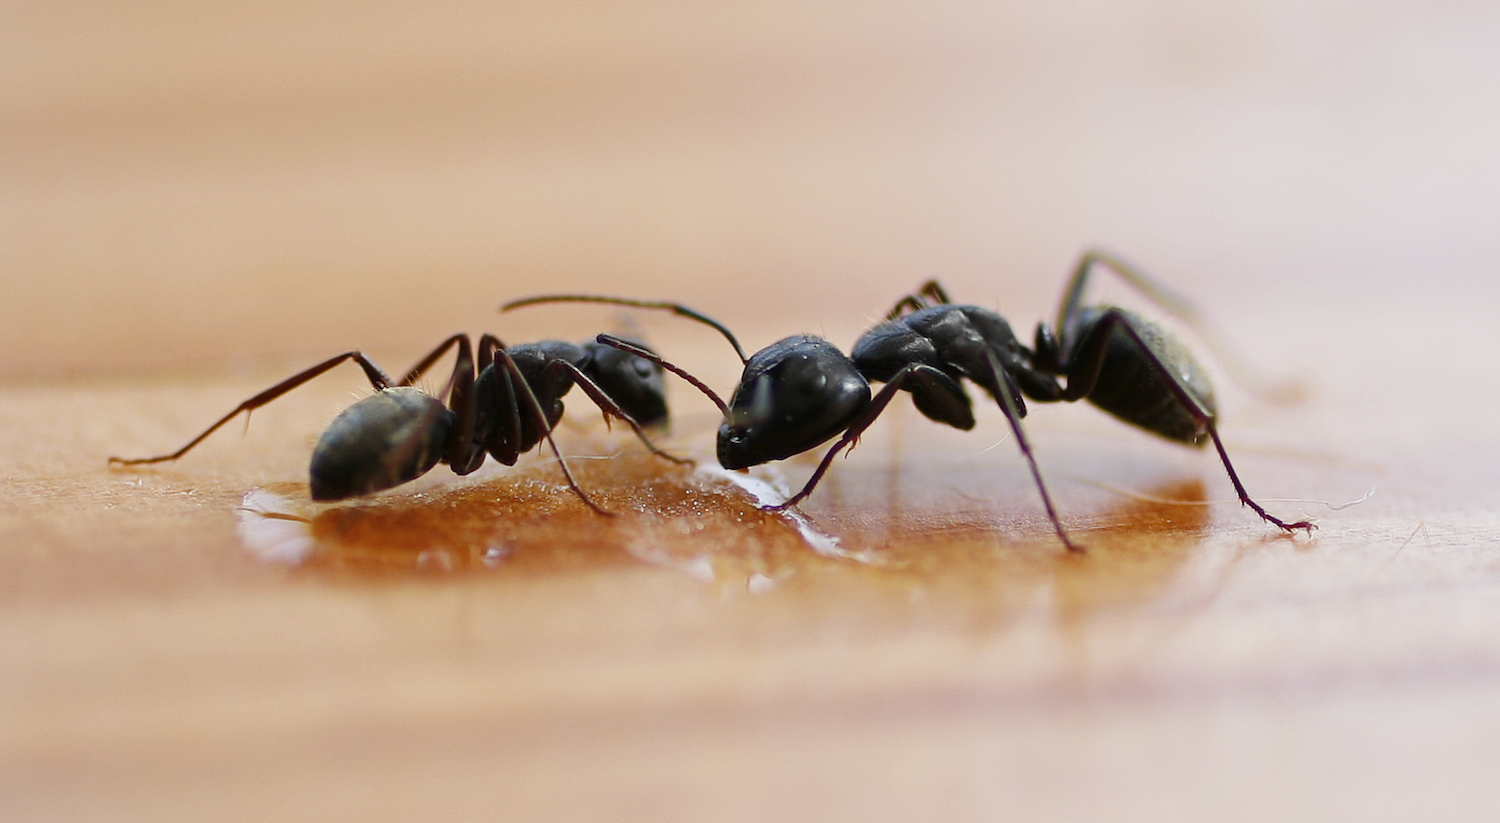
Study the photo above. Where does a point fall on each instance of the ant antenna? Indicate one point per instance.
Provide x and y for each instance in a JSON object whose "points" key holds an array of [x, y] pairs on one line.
{"points": [[646, 354], [675, 308]]}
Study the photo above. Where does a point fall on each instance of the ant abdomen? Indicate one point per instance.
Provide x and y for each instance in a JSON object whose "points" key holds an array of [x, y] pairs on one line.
{"points": [[391, 437], [1132, 388]]}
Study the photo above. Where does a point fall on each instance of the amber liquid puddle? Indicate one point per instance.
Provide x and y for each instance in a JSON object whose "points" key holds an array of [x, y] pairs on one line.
{"points": [[702, 522]]}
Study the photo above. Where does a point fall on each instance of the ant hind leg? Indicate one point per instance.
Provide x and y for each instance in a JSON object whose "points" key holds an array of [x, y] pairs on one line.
{"points": [[1084, 371], [377, 377], [930, 294]]}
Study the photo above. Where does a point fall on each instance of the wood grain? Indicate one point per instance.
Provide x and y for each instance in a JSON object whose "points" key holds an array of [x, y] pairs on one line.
{"points": [[202, 201]]}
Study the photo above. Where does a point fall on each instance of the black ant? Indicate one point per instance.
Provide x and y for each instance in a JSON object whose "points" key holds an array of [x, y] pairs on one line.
{"points": [[504, 408], [802, 391]]}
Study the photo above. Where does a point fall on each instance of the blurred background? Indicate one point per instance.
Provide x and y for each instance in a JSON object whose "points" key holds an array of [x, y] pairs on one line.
{"points": [[185, 184], [198, 197]]}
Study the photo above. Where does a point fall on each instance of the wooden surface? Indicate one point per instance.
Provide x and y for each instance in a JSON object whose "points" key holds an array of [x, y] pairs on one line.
{"points": [[199, 200]]}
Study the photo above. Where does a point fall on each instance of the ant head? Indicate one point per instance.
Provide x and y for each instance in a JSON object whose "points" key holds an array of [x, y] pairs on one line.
{"points": [[793, 395], [633, 382]]}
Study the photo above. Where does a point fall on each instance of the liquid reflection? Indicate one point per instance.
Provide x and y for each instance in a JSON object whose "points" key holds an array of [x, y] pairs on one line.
{"points": [[1136, 549], [989, 570], [705, 523]]}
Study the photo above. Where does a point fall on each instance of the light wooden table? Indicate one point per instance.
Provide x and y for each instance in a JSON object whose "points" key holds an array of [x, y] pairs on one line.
{"points": [[203, 203]]}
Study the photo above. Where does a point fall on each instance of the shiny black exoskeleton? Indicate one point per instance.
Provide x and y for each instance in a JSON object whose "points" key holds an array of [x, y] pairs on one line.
{"points": [[504, 405], [802, 391], [793, 396]]}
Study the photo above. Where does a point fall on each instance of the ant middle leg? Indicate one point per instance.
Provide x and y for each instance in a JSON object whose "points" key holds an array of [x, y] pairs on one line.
{"points": [[1008, 405]]}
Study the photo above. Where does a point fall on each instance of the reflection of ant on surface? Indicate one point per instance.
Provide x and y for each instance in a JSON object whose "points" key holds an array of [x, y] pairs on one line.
{"points": [[504, 407], [802, 391]]}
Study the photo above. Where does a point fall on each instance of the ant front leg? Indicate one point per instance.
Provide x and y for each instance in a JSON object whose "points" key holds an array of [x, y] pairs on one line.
{"points": [[857, 426], [378, 380], [610, 408], [1084, 372], [936, 380]]}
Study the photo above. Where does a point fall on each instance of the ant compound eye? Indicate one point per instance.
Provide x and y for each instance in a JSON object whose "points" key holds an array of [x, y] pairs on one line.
{"points": [[643, 368]]}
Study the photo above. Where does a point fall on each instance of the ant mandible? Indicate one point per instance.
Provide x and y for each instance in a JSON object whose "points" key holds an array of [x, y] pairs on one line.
{"points": [[802, 391], [504, 407]]}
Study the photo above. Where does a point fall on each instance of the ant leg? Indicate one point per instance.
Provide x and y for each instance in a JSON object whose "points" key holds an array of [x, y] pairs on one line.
{"points": [[878, 404], [930, 294], [1091, 359], [675, 308], [1239, 489], [1013, 416], [464, 453], [1240, 370], [460, 452], [378, 380], [463, 368], [610, 408], [851, 435], [934, 292], [528, 397], [488, 345], [415, 373], [1168, 300]]}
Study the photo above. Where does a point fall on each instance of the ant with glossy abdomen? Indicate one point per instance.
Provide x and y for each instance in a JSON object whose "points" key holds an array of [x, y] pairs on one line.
{"points": [[800, 392], [504, 407]]}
